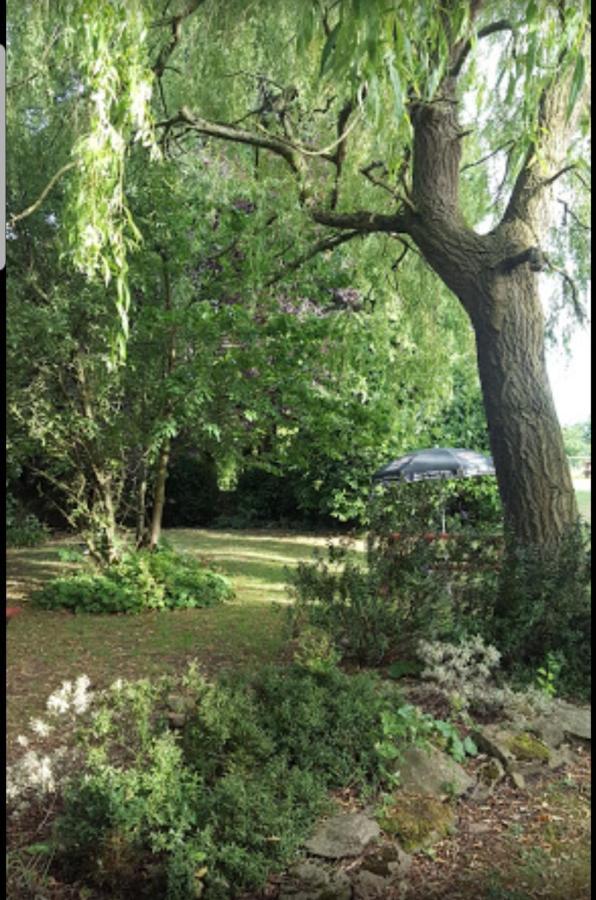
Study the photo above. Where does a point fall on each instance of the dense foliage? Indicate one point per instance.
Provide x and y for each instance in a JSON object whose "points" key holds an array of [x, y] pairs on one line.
{"points": [[211, 805], [139, 581]]}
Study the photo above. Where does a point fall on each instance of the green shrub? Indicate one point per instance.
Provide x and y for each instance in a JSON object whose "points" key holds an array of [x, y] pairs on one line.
{"points": [[545, 608], [411, 586], [164, 579], [328, 724], [23, 529], [216, 805], [212, 806]]}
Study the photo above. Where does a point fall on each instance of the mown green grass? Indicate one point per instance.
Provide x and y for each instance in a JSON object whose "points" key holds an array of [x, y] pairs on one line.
{"points": [[46, 647], [584, 500]]}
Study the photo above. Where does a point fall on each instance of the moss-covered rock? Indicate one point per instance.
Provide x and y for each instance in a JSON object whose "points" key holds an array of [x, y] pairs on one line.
{"points": [[417, 820], [528, 747]]}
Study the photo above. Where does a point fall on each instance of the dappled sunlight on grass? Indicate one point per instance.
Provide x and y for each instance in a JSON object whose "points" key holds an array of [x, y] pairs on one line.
{"points": [[46, 647]]}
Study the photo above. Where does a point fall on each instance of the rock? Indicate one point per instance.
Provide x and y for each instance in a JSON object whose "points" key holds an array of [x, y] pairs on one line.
{"points": [[560, 757], [389, 860], [527, 747], [176, 720], [565, 719], [517, 779], [488, 775], [346, 834], [508, 746], [432, 772], [311, 880], [367, 886], [479, 828], [418, 820], [490, 772]]}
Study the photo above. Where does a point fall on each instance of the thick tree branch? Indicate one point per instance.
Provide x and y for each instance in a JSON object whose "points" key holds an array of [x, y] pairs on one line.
{"points": [[556, 129], [340, 152], [363, 221], [236, 135]]}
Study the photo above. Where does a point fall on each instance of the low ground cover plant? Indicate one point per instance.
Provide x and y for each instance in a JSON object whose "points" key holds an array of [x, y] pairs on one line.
{"points": [[139, 581], [182, 787]]}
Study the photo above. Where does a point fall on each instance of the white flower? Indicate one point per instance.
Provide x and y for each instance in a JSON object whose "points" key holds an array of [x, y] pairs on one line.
{"points": [[57, 704], [40, 727], [22, 740]]}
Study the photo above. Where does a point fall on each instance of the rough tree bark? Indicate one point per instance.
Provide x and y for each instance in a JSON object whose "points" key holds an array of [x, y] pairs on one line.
{"points": [[495, 277]]}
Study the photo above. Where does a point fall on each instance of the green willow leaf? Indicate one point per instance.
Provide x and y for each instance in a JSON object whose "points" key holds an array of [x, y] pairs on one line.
{"points": [[577, 82], [328, 49]]}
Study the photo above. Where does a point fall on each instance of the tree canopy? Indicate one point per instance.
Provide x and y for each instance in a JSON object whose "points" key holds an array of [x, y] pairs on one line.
{"points": [[312, 154]]}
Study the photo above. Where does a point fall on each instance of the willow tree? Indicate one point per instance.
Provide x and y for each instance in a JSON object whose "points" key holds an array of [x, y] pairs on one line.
{"points": [[400, 80], [452, 130]]}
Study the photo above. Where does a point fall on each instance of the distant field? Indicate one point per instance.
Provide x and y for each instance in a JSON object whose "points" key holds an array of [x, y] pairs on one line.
{"points": [[583, 492], [584, 499]]}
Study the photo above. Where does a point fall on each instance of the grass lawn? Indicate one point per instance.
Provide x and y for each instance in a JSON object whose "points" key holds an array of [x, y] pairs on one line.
{"points": [[583, 492], [44, 648]]}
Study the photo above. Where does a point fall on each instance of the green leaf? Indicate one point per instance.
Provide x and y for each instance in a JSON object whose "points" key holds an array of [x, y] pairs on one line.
{"points": [[470, 746], [397, 89], [329, 47], [577, 82], [40, 849]]}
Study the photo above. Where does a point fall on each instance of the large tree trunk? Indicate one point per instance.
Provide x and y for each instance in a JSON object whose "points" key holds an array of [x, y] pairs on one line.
{"points": [[526, 440], [495, 278]]}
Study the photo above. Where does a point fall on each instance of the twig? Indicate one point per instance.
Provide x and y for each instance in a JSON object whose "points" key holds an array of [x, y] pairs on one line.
{"points": [[488, 155], [31, 209], [569, 212], [577, 306], [319, 247]]}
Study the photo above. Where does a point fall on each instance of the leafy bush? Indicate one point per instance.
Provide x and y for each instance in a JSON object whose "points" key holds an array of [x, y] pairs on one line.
{"points": [[545, 608], [412, 586], [23, 529], [213, 807], [164, 579], [465, 672], [416, 507], [212, 799]]}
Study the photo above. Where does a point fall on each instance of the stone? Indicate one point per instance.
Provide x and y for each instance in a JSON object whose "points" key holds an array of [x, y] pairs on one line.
{"points": [[527, 747], [490, 772], [517, 779], [430, 771], [562, 756], [488, 775], [388, 860], [510, 746], [312, 880], [419, 820], [565, 719], [368, 886], [479, 828], [346, 834]]}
